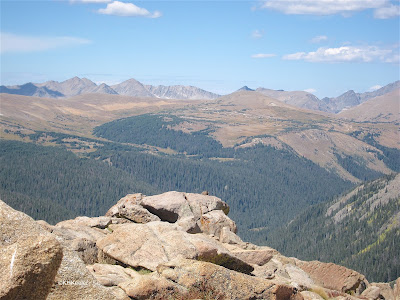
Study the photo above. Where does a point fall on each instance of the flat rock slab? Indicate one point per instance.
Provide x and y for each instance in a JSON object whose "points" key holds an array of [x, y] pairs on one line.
{"points": [[256, 257], [154, 243], [334, 277], [221, 283]]}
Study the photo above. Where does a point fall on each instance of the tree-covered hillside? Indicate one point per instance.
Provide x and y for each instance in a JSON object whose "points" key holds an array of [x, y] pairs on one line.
{"points": [[53, 184], [264, 187], [360, 230]]}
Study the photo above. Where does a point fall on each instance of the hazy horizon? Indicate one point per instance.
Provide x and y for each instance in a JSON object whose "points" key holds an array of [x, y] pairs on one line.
{"points": [[323, 47]]}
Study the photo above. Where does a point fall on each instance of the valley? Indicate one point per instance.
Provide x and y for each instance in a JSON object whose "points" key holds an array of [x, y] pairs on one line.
{"points": [[269, 159]]}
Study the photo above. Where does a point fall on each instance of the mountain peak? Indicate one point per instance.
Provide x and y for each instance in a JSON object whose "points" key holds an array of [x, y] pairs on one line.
{"points": [[245, 88]]}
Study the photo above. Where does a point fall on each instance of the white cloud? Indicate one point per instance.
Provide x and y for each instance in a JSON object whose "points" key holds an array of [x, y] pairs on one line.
{"points": [[310, 91], [347, 54], [319, 39], [257, 34], [321, 7], [122, 9], [387, 12], [19, 43], [383, 8], [90, 1], [263, 55], [374, 88]]}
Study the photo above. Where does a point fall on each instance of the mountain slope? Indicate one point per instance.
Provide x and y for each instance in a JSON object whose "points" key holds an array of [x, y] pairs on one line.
{"points": [[360, 230], [382, 91], [379, 109], [344, 101], [351, 98], [299, 99]]}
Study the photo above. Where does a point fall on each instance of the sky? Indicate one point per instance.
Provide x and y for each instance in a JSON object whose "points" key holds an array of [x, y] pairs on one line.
{"points": [[322, 46]]}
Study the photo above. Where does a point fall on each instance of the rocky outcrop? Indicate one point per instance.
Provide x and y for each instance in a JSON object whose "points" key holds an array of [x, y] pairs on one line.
{"points": [[148, 245], [29, 256], [169, 246], [129, 208]]}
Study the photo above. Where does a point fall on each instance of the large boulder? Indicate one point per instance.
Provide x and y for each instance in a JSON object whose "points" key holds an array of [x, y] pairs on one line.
{"points": [[334, 277], [74, 281], [175, 206], [256, 257], [385, 290], [129, 208], [148, 245], [29, 256], [217, 282], [214, 221], [227, 236], [169, 206]]}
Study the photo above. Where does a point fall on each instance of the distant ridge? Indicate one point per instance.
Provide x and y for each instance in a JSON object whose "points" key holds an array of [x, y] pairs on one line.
{"points": [[296, 98], [351, 98], [384, 109], [131, 87], [29, 89], [180, 92]]}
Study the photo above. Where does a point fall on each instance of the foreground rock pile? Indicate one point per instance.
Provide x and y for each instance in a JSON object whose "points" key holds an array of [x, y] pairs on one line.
{"points": [[169, 246]]}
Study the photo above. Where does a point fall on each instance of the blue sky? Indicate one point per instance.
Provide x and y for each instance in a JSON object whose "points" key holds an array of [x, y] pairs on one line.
{"points": [[323, 46]]}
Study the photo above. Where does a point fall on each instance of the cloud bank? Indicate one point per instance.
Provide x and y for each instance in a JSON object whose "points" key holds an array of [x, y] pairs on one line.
{"points": [[364, 54], [384, 9], [19, 43]]}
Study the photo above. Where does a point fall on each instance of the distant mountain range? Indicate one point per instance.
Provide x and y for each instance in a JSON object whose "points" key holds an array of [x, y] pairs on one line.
{"points": [[351, 98], [78, 86], [307, 100], [131, 87], [384, 109]]}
